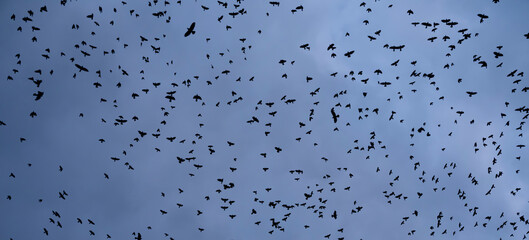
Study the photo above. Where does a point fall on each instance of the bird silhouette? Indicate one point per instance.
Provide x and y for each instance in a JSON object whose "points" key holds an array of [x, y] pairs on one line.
{"points": [[190, 30]]}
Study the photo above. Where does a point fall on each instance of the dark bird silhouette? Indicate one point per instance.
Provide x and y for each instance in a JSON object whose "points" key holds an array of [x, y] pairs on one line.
{"points": [[81, 68], [481, 17], [470, 94], [38, 95], [190, 30], [334, 115]]}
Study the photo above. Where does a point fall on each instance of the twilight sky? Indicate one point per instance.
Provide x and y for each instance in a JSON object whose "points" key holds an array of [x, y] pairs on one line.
{"points": [[428, 141]]}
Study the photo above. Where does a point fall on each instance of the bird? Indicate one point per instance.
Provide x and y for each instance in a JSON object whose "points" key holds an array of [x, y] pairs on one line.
{"points": [[190, 30], [482, 16], [470, 93], [38, 95], [334, 115]]}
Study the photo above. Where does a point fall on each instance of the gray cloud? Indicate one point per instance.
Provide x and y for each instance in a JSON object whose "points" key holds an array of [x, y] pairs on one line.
{"points": [[130, 200]]}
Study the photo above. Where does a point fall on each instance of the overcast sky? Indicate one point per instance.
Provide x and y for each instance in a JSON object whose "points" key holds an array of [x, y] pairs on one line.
{"points": [[415, 144]]}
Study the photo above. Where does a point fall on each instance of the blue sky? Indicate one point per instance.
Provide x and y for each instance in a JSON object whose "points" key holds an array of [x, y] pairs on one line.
{"points": [[129, 201]]}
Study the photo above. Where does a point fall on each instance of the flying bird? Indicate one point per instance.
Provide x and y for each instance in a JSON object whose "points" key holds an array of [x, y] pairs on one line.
{"points": [[190, 30], [334, 115]]}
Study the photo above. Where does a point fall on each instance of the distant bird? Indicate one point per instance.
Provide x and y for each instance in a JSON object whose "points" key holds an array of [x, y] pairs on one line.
{"points": [[190, 30], [334, 115], [38, 95], [482, 16], [81, 68], [470, 94]]}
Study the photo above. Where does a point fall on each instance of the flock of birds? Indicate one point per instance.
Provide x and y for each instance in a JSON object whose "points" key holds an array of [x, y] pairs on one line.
{"points": [[322, 154]]}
